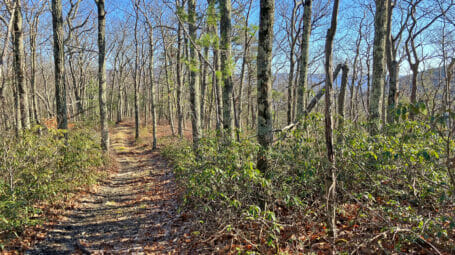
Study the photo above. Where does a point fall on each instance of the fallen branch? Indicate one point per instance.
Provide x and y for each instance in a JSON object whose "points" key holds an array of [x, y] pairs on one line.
{"points": [[395, 231]]}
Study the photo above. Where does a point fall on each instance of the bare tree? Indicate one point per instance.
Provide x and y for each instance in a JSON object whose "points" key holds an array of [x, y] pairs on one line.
{"points": [[246, 48], [304, 58], [380, 36], [33, 22], [264, 80], [136, 69], [59, 62], [102, 74], [179, 74], [151, 74], [19, 65], [226, 67], [194, 76], [331, 178]]}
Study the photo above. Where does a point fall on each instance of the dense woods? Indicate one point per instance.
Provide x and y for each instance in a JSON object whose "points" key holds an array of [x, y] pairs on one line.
{"points": [[291, 126]]}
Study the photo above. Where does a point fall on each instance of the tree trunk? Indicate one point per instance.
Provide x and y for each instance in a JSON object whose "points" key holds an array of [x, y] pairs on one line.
{"points": [[380, 36], [195, 96], [59, 61], [226, 68], [264, 81], [152, 88], [19, 66], [179, 77], [393, 66], [304, 59], [290, 87], [393, 90], [204, 68], [17, 111], [135, 75], [32, 38], [102, 74], [219, 90], [238, 117], [342, 96], [166, 71], [330, 178], [216, 77], [415, 73]]}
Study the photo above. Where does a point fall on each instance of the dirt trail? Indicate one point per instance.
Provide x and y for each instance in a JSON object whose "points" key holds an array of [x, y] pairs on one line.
{"points": [[133, 211]]}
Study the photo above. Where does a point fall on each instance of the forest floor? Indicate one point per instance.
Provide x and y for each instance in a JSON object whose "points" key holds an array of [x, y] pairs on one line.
{"points": [[133, 210]]}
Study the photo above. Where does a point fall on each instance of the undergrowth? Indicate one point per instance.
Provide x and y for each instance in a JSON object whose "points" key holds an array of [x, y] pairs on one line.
{"points": [[41, 166], [394, 193]]}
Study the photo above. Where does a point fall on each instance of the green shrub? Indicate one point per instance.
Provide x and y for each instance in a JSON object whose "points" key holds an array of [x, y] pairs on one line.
{"points": [[399, 175], [42, 167]]}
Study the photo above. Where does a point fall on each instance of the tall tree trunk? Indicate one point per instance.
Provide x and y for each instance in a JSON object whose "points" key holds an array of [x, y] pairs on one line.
{"points": [[59, 61], [342, 96], [393, 66], [219, 91], [120, 104], [304, 59], [135, 75], [290, 117], [238, 116], [331, 178], [169, 98], [415, 73], [290, 82], [152, 88], [19, 65], [102, 74], [4, 70], [17, 110], [393, 90], [354, 72], [264, 81], [33, 34], [204, 68], [380, 36], [195, 96], [226, 67], [250, 100], [179, 78], [216, 77]]}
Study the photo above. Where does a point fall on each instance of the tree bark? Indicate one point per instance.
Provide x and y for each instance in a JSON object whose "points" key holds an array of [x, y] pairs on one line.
{"points": [[152, 89], [226, 68], [135, 74], [304, 58], [264, 81], [59, 61], [216, 76], [19, 65], [32, 38], [393, 66], [179, 77], [380, 36], [246, 45], [166, 71], [102, 74], [293, 39], [194, 77], [342, 96], [331, 178]]}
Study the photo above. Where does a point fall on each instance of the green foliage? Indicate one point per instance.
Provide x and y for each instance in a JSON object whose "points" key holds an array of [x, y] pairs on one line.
{"points": [[36, 168], [399, 174]]}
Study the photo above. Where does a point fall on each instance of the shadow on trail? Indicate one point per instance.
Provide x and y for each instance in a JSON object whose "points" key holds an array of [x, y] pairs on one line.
{"points": [[132, 211]]}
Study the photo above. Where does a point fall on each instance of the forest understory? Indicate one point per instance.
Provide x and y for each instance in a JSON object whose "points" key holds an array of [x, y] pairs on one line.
{"points": [[227, 127], [144, 205]]}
